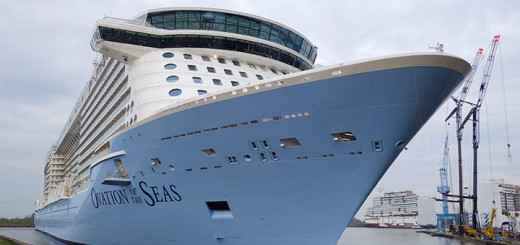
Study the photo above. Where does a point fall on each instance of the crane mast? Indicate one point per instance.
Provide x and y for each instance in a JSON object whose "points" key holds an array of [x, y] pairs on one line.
{"points": [[459, 101], [475, 114]]}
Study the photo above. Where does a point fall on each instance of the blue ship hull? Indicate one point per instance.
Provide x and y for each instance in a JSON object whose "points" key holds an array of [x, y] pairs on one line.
{"points": [[241, 194]]}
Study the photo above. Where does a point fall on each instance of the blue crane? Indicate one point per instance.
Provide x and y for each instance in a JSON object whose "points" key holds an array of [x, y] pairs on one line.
{"points": [[444, 189]]}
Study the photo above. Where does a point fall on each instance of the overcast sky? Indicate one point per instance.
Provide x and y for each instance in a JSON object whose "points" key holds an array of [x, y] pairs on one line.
{"points": [[45, 61]]}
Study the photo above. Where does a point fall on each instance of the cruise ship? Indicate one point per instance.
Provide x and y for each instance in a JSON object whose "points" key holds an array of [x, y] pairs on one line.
{"points": [[401, 209], [210, 126]]}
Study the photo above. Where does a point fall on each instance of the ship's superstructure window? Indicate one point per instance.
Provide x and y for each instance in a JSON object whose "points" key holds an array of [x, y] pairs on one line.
{"points": [[252, 66], [235, 83], [170, 66], [201, 92], [205, 58], [168, 55], [236, 63], [188, 56], [197, 80], [172, 78], [274, 71], [217, 82], [259, 77], [192, 67], [175, 92], [221, 61], [228, 72], [243, 74], [212, 69], [230, 22]]}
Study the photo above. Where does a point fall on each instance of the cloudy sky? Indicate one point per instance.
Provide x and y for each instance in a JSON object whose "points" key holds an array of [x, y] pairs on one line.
{"points": [[45, 61]]}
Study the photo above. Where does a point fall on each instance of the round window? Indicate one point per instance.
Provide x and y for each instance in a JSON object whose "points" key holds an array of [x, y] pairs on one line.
{"points": [[175, 92], [172, 79], [167, 55], [170, 66]]}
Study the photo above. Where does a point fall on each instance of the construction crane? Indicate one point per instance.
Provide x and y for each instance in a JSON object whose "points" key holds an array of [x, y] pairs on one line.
{"points": [[475, 114], [444, 189], [459, 101]]}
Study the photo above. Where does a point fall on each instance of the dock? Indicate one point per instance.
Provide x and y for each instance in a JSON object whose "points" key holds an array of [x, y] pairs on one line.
{"points": [[468, 238]]}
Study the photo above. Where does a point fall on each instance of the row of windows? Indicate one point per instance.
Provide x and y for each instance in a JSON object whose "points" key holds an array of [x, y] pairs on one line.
{"points": [[201, 41], [198, 80], [210, 69], [207, 59], [226, 22]]}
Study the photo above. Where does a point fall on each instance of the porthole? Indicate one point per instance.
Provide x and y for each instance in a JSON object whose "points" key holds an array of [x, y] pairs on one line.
{"points": [[172, 78], [170, 66], [259, 77], [197, 80], [192, 67], [188, 56], [167, 55], [217, 82], [172, 168], [175, 92], [247, 158]]}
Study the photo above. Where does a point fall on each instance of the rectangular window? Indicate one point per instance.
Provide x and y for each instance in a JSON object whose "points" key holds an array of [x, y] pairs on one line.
{"points": [[217, 82], [201, 92], [212, 70], [243, 74], [259, 77], [252, 66], [197, 80], [205, 58], [262, 156], [235, 83], [265, 144], [192, 67], [232, 160], [221, 61], [274, 71], [236, 63], [228, 72], [188, 56], [377, 146], [274, 156], [253, 145]]}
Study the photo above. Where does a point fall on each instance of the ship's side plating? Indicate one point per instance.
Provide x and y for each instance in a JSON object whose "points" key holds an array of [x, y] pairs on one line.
{"points": [[201, 187], [264, 158]]}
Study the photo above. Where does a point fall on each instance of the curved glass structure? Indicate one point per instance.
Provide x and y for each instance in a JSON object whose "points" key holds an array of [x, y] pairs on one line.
{"points": [[200, 41], [233, 23]]}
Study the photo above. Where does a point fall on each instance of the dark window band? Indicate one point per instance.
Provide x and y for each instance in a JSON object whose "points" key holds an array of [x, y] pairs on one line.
{"points": [[201, 41], [226, 22]]}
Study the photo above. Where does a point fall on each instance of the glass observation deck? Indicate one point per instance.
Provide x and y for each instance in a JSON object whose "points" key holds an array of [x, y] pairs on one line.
{"points": [[216, 21]]}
